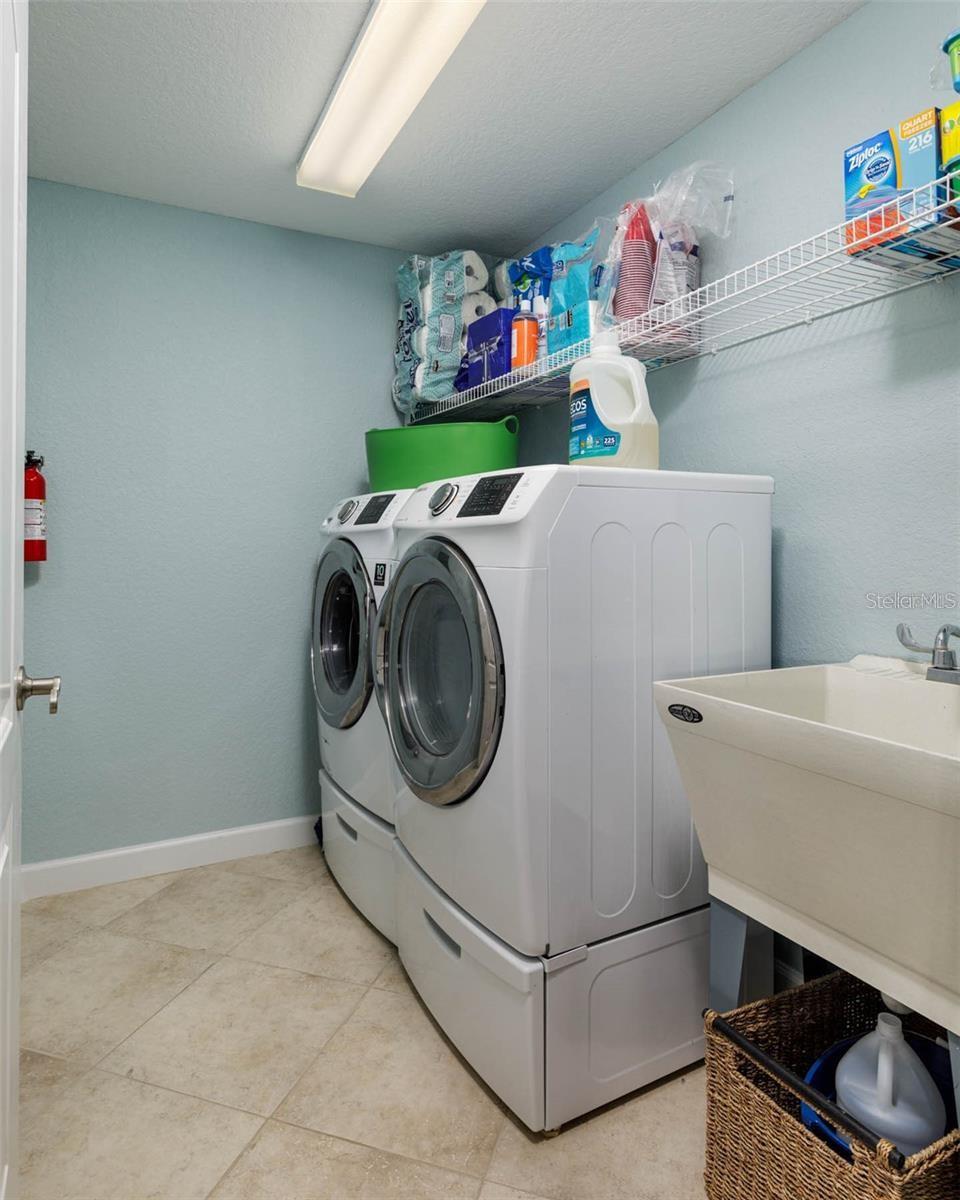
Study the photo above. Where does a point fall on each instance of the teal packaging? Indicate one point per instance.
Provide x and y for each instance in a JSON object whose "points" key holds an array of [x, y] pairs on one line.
{"points": [[570, 292]]}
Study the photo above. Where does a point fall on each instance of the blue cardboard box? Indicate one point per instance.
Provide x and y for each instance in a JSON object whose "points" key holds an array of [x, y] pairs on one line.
{"points": [[890, 168], [489, 346]]}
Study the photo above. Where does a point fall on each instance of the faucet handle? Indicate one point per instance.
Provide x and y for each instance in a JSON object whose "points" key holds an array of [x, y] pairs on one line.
{"points": [[905, 637]]}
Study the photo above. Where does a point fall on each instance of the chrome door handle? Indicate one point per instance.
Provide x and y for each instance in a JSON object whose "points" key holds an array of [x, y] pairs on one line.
{"points": [[27, 687], [379, 655]]}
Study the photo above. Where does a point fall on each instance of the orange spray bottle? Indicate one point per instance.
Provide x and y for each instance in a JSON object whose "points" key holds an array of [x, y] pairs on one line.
{"points": [[524, 333]]}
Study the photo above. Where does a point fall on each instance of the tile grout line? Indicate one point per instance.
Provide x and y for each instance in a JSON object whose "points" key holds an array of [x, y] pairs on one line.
{"points": [[165, 1004], [421, 1162], [258, 962], [96, 1062], [218, 957], [202, 1100], [162, 1087], [99, 1064], [79, 892], [246, 1146], [144, 937], [283, 1098], [365, 1145], [82, 1072], [84, 1069], [246, 933], [313, 1060], [493, 1153]]}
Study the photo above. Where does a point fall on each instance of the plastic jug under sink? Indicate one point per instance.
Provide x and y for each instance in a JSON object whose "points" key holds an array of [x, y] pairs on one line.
{"points": [[882, 1082]]}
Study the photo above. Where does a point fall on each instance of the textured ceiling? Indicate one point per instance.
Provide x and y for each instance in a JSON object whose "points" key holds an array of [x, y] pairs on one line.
{"points": [[208, 105]]}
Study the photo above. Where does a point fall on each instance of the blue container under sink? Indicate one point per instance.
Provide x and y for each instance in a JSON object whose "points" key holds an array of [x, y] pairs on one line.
{"points": [[822, 1075]]}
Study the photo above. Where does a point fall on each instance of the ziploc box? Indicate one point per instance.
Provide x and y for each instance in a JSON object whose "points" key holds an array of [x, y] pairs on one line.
{"points": [[888, 168]]}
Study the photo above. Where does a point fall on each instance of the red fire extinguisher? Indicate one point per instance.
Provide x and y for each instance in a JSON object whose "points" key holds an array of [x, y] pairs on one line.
{"points": [[34, 510]]}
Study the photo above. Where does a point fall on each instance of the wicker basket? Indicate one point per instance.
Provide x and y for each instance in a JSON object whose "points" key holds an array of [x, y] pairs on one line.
{"points": [[757, 1146]]}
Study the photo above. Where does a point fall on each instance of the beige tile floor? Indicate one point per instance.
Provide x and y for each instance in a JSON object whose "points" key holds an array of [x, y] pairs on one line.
{"points": [[240, 1032]]}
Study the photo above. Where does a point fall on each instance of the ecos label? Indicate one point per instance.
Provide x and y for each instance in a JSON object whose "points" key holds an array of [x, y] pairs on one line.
{"points": [[589, 437]]}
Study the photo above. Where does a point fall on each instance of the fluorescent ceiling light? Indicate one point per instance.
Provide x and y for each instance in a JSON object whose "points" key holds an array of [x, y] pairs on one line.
{"points": [[402, 48]]}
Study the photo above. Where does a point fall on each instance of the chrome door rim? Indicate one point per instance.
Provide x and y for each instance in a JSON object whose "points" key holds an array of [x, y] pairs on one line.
{"points": [[447, 565], [341, 556]]}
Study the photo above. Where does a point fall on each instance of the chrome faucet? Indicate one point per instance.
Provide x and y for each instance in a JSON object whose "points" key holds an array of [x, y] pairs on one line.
{"points": [[943, 665]]}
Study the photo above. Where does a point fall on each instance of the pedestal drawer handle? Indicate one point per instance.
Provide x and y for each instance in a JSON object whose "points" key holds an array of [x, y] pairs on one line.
{"points": [[444, 938]]}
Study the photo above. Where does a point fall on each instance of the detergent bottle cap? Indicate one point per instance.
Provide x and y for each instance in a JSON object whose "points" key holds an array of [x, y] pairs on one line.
{"points": [[889, 1026], [605, 341]]}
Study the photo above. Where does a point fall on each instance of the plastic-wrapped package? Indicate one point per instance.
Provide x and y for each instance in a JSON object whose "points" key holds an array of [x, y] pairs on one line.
{"points": [[439, 297], [654, 254], [579, 268], [502, 285], [530, 275], [569, 319], [700, 195], [410, 318]]}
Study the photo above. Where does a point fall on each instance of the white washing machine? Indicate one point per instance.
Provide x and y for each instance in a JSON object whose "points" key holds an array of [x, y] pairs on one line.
{"points": [[551, 892], [357, 790]]}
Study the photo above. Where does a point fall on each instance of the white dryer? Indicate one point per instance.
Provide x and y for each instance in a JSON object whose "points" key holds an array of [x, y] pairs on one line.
{"points": [[551, 903], [357, 792]]}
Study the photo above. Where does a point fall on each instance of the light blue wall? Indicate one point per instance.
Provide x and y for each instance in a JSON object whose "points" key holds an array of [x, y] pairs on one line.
{"points": [[858, 417], [199, 387]]}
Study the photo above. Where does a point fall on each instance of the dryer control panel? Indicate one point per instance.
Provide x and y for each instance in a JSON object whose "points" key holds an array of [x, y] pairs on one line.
{"points": [[496, 498]]}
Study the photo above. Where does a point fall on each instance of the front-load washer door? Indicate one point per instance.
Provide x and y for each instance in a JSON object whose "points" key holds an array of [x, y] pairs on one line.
{"points": [[343, 603], [442, 671]]}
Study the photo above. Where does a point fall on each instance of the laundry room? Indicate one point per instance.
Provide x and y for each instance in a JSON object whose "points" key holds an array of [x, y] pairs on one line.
{"points": [[480, 612]]}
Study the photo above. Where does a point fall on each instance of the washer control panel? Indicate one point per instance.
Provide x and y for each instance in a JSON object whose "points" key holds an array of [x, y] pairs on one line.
{"points": [[374, 508], [489, 494], [369, 514]]}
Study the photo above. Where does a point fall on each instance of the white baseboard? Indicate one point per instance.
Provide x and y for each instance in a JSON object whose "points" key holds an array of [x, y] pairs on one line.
{"points": [[156, 858]]}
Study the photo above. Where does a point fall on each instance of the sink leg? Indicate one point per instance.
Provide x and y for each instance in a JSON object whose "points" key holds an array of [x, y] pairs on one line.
{"points": [[728, 940], [954, 1039]]}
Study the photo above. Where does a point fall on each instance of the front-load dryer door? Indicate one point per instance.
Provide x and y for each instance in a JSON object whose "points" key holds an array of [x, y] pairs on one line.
{"points": [[343, 602], [442, 670]]}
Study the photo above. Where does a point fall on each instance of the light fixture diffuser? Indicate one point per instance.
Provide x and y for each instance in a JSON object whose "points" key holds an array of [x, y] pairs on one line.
{"points": [[402, 48]]}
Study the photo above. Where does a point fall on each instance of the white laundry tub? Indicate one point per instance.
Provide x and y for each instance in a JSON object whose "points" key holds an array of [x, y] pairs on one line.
{"points": [[827, 801]]}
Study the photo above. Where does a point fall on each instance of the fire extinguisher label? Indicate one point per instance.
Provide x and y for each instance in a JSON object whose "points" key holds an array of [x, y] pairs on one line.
{"points": [[35, 520]]}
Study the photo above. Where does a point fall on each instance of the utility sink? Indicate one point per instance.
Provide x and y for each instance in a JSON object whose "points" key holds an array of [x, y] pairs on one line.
{"points": [[827, 801]]}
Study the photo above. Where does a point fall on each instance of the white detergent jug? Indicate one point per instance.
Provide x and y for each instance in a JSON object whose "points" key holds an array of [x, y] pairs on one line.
{"points": [[611, 421], [882, 1082]]}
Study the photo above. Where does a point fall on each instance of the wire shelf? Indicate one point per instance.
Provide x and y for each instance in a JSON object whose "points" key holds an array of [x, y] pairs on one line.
{"points": [[837, 270]]}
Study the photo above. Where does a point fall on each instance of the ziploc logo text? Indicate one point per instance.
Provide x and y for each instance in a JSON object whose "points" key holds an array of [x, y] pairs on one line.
{"points": [[859, 157]]}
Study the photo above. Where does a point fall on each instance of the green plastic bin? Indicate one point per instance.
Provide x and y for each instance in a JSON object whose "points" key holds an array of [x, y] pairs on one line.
{"points": [[405, 458]]}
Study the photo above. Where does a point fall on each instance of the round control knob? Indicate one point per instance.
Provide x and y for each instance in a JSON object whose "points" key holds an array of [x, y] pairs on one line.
{"points": [[442, 498], [347, 509]]}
